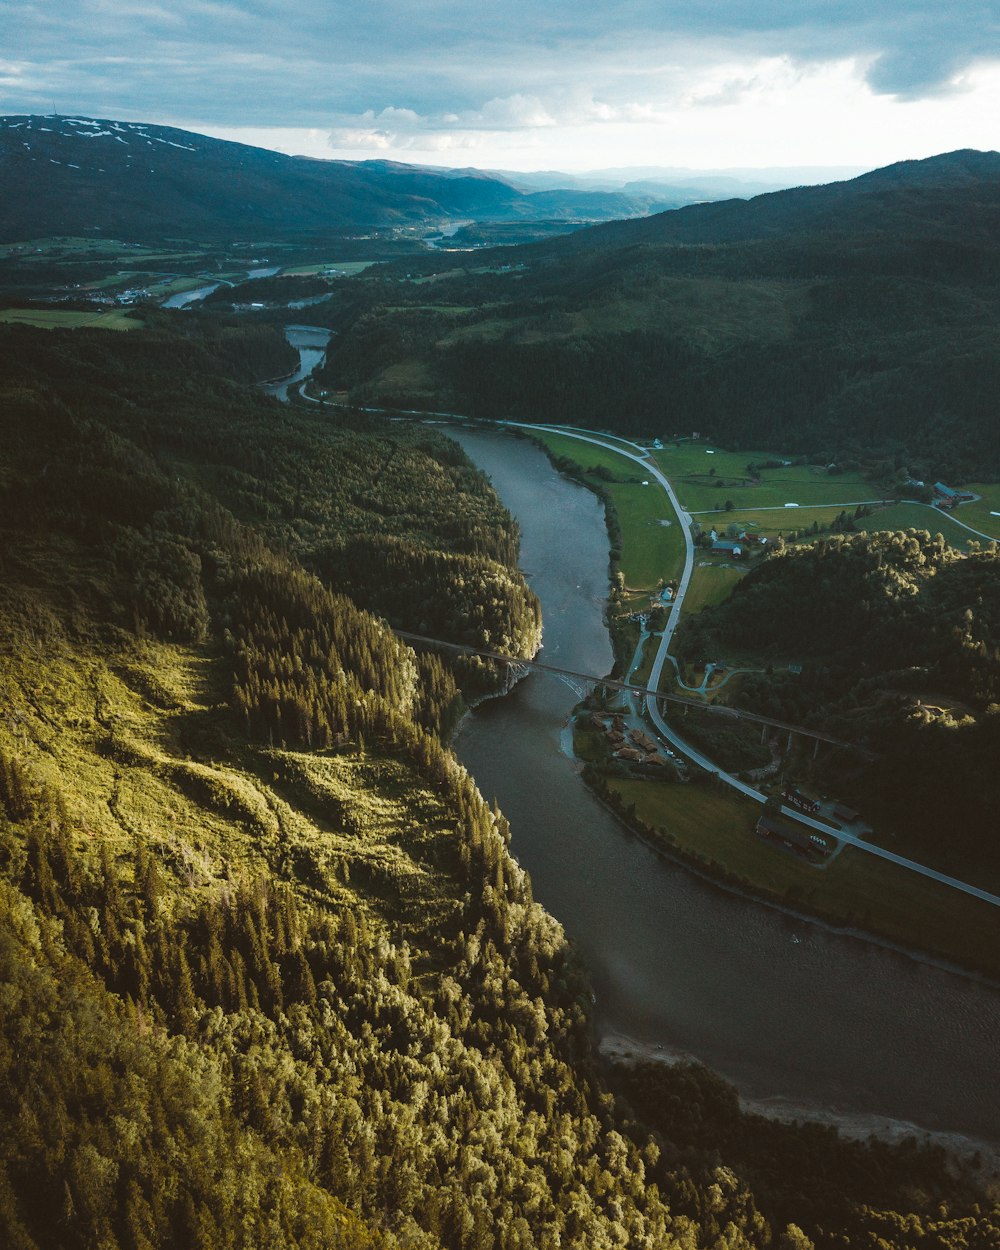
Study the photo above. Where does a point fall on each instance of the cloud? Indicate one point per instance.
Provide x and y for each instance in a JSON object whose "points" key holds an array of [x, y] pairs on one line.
{"points": [[448, 74]]}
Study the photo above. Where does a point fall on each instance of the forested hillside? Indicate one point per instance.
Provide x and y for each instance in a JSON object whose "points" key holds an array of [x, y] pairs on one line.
{"points": [[269, 974], [111, 179], [856, 321], [899, 635]]}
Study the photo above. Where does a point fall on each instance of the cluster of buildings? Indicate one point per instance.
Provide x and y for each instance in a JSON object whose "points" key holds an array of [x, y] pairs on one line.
{"points": [[737, 547], [632, 746], [946, 497]]}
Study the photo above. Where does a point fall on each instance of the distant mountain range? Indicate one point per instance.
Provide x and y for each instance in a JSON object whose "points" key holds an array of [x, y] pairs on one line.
{"points": [[690, 185], [76, 175], [857, 321], [954, 195]]}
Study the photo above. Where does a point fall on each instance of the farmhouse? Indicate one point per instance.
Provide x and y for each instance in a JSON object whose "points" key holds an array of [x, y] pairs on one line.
{"points": [[724, 547], [775, 830], [847, 814]]}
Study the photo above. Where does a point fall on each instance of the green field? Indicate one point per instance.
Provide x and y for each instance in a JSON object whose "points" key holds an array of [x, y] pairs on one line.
{"points": [[710, 584], [651, 550], [66, 319], [103, 247], [166, 287], [344, 268], [921, 516], [855, 889], [979, 514], [704, 477], [770, 522]]}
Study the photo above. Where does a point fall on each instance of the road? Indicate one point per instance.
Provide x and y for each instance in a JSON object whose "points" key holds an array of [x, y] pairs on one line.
{"points": [[692, 753], [641, 456]]}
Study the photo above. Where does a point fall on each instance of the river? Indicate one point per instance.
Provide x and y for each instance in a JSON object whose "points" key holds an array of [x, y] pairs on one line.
{"points": [[311, 343], [793, 1013], [184, 298]]}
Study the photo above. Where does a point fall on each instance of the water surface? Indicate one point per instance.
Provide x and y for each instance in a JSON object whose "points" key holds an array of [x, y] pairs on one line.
{"points": [[783, 1008]]}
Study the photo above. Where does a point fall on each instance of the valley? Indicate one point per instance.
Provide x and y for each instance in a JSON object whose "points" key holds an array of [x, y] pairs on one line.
{"points": [[311, 937]]}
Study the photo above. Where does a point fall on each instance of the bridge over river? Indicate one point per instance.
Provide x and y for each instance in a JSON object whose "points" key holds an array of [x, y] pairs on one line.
{"points": [[613, 683]]}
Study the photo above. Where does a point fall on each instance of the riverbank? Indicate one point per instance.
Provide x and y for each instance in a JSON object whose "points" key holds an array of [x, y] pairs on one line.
{"points": [[961, 943], [858, 894], [717, 876], [618, 1048], [775, 1003]]}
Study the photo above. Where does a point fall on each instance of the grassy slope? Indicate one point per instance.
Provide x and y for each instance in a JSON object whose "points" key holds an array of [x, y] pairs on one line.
{"points": [[715, 829], [710, 583], [651, 550], [711, 826], [67, 319]]}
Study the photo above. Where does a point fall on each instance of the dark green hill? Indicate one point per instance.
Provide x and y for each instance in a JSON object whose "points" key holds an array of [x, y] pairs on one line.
{"points": [[851, 322], [80, 176], [899, 635]]}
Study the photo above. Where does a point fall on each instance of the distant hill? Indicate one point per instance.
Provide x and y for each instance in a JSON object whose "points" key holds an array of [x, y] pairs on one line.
{"points": [[72, 176], [854, 321], [943, 196]]}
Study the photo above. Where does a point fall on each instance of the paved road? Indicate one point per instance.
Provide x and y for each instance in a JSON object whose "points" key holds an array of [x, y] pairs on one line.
{"points": [[692, 753], [642, 456]]}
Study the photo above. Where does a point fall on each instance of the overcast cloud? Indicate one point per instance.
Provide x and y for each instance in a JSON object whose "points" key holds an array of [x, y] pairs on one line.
{"points": [[436, 76]]}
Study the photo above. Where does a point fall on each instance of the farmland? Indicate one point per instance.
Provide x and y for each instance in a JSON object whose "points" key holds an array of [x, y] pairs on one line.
{"points": [[652, 540], [714, 828], [68, 319]]}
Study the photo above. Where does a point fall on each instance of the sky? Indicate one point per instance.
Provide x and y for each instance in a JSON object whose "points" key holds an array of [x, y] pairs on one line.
{"points": [[526, 84]]}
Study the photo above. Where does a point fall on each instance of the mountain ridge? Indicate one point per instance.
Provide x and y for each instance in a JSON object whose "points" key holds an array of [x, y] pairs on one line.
{"points": [[930, 180], [75, 175]]}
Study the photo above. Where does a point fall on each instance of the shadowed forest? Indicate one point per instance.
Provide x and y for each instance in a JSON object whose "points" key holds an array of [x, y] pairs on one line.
{"points": [[270, 975]]}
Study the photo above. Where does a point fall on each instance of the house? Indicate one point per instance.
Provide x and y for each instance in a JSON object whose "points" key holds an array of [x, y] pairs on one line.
{"points": [[643, 741], [774, 830], [630, 754], [724, 547]]}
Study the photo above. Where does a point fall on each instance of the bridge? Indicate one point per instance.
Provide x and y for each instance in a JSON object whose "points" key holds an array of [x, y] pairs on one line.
{"points": [[728, 713]]}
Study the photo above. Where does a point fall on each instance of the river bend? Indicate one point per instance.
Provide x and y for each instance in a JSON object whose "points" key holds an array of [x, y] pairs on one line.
{"points": [[786, 1009]]}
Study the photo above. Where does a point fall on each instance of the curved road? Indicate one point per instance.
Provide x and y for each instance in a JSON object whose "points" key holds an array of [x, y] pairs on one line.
{"points": [[656, 674], [641, 456]]}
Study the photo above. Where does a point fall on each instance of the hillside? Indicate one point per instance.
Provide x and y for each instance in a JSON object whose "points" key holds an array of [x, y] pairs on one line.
{"points": [[851, 322], [955, 195], [270, 974], [898, 636], [80, 176]]}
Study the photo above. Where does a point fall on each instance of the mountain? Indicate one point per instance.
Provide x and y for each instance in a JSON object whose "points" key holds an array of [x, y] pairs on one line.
{"points": [[678, 179], [941, 196], [73, 175], [851, 321]]}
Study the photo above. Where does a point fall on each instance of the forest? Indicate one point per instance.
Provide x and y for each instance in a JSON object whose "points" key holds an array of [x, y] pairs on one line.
{"points": [[899, 639], [270, 975], [856, 321]]}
